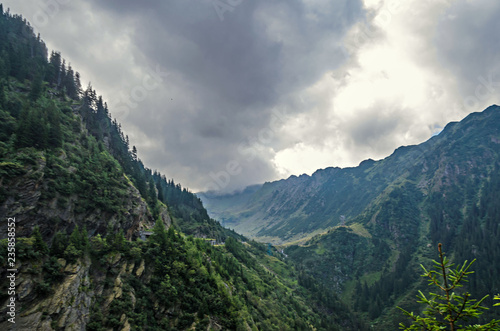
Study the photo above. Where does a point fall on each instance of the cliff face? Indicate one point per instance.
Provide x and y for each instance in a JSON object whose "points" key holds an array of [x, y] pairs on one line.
{"points": [[79, 186], [64, 301], [29, 203], [68, 307]]}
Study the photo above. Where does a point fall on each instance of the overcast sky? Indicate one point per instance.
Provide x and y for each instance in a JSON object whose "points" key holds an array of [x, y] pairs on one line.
{"points": [[219, 94]]}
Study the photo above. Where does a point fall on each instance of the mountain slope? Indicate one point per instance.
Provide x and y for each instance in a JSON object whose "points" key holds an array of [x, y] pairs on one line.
{"points": [[79, 198], [396, 212], [298, 207]]}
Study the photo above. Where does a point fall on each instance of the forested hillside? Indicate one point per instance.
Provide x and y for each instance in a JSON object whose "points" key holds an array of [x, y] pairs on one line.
{"points": [[293, 209], [81, 199], [376, 223]]}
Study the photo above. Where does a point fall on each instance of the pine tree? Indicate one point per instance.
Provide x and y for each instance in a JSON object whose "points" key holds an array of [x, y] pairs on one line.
{"points": [[36, 88], [59, 244], [76, 238], [448, 309], [134, 153], [39, 245], [3, 99], [152, 192], [53, 76], [159, 233], [62, 75], [54, 138], [69, 83], [30, 131], [85, 238], [78, 85]]}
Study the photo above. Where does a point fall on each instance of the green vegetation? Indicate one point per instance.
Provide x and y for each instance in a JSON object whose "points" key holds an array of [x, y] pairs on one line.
{"points": [[379, 272], [80, 194], [449, 309], [49, 121], [395, 210], [69, 174], [235, 286]]}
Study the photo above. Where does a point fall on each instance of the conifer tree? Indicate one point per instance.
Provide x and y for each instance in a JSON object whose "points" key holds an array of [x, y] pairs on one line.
{"points": [[69, 83], [59, 243], [134, 153], [78, 85], [3, 99], [39, 245], [448, 309], [36, 88], [75, 238], [30, 131], [53, 75], [54, 138], [159, 233]]}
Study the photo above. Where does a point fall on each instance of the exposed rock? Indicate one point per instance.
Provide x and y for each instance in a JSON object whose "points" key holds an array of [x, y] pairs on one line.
{"points": [[62, 262], [113, 259], [118, 289], [140, 270], [130, 267], [26, 204], [68, 306], [126, 325], [123, 269], [72, 268], [132, 297], [24, 289]]}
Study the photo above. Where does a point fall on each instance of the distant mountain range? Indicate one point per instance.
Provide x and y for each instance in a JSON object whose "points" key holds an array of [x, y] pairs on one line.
{"points": [[298, 207], [365, 231]]}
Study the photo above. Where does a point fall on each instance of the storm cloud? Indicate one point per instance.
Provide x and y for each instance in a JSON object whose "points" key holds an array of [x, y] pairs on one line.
{"points": [[221, 94]]}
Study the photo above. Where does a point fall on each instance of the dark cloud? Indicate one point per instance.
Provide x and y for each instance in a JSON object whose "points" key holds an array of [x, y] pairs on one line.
{"points": [[376, 127], [232, 72], [197, 90], [468, 45]]}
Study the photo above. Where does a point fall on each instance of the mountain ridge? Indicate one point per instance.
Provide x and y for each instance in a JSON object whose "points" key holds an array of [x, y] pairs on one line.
{"points": [[444, 190], [369, 176]]}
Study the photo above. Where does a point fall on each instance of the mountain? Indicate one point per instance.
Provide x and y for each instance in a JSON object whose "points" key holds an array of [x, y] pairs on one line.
{"points": [[298, 207], [92, 239], [365, 231]]}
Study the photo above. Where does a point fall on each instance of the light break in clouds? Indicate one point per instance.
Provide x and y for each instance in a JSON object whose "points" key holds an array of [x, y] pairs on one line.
{"points": [[219, 94]]}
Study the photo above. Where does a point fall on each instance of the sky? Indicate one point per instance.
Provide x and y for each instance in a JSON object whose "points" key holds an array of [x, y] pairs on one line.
{"points": [[220, 94]]}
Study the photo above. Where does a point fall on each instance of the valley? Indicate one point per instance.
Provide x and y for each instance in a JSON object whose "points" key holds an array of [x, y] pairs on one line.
{"points": [[97, 240]]}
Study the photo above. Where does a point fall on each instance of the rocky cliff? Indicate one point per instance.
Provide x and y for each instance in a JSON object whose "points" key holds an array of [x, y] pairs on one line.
{"points": [[29, 203]]}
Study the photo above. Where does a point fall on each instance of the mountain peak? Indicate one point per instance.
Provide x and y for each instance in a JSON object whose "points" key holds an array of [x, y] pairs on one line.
{"points": [[298, 206]]}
